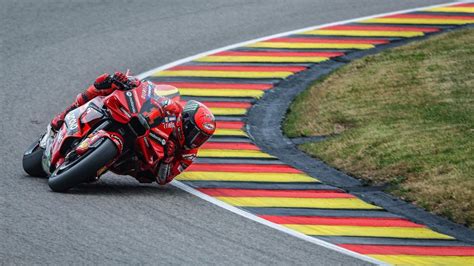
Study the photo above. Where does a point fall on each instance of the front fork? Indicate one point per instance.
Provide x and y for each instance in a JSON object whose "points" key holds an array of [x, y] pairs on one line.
{"points": [[91, 141], [46, 142], [94, 139]]}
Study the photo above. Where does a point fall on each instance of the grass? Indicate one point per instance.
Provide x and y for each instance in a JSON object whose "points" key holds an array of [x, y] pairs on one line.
{"points": [[404, 118]]}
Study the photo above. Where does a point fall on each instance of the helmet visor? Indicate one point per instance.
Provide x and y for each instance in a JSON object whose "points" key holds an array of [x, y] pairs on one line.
{"points": [[196, 138]]}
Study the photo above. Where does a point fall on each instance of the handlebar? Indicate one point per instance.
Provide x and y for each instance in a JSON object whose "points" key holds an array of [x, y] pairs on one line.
{"points": [[121, 85]]}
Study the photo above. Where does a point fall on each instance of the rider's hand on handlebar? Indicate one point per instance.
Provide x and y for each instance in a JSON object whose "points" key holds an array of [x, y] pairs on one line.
{"points": [[120, 77], [120, 80], [103, 82]]}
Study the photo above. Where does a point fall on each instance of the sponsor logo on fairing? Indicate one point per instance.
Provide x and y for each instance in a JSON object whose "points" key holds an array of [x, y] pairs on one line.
{"points": [[170, 119], [131, 101], [71, 121], [147, 92], [169, 125]]}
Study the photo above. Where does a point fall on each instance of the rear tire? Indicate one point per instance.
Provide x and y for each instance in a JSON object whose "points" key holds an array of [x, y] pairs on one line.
{"points": [[32, 160], [83, 168]]}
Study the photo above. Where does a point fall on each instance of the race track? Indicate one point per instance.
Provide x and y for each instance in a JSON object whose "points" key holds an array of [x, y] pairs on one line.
{"points": [[51, 51]]}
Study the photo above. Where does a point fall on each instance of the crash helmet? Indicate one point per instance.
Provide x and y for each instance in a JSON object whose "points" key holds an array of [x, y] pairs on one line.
{"points": [[198, 124]]}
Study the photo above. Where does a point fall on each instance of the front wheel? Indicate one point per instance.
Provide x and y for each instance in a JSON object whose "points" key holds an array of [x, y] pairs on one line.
{"points": [[83, 168], [32, 160]]}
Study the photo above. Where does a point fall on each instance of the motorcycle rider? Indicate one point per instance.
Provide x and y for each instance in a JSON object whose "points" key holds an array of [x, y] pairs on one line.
{"points": [[194, 126]]}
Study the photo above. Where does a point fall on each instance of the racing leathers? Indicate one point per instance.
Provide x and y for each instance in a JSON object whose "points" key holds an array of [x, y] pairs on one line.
{"points": [[176, 156]]}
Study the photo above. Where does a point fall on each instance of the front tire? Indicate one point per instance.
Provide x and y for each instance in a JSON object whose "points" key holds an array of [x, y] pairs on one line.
{"points": [[83, 168], [32, 160]]}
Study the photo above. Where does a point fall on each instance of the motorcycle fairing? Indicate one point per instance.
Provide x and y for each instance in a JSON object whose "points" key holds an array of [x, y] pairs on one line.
{"points": [[77, 124], [123, 107]]}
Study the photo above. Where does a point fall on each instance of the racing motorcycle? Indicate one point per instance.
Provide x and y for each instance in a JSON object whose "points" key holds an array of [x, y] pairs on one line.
{"points": [[101, 135]]}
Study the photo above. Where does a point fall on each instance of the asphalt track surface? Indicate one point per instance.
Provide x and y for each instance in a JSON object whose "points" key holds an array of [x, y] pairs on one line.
{"points": [[50, 51]]}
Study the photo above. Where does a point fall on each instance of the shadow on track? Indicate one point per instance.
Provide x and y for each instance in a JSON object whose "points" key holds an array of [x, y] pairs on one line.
{"points": [[114, 186]]}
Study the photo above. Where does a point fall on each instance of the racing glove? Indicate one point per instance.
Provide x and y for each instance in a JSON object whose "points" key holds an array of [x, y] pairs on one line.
{"points": [[166, 165], [103, 82], [121, 81], [170, 151]]}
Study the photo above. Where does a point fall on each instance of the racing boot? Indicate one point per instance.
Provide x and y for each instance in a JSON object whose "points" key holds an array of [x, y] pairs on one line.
{"points": [[58, 120]]}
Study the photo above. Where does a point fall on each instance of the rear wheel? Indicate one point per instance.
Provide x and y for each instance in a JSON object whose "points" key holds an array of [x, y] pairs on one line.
{"points": [[32, 160], [82, 168]]}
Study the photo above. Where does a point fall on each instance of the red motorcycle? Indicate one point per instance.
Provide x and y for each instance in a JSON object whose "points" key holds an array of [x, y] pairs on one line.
{"points": [[103, 134]]}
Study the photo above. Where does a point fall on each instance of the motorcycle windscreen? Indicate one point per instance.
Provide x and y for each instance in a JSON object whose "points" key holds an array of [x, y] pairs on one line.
{"points": [[167, 91]]}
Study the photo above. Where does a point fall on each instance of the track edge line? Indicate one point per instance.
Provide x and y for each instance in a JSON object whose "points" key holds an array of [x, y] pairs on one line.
{"points": [[278, 227], [241, 212]]}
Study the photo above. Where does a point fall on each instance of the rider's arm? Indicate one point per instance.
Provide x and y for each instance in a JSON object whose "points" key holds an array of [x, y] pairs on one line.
{"points": [[103, 85]]}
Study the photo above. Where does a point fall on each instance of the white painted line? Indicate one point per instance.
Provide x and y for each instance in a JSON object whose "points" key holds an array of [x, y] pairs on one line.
{"points": [[247, 214], [273, 225]]}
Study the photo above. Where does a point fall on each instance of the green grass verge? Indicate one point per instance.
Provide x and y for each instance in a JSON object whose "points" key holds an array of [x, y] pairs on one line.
{"points": [[404, 117]]}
